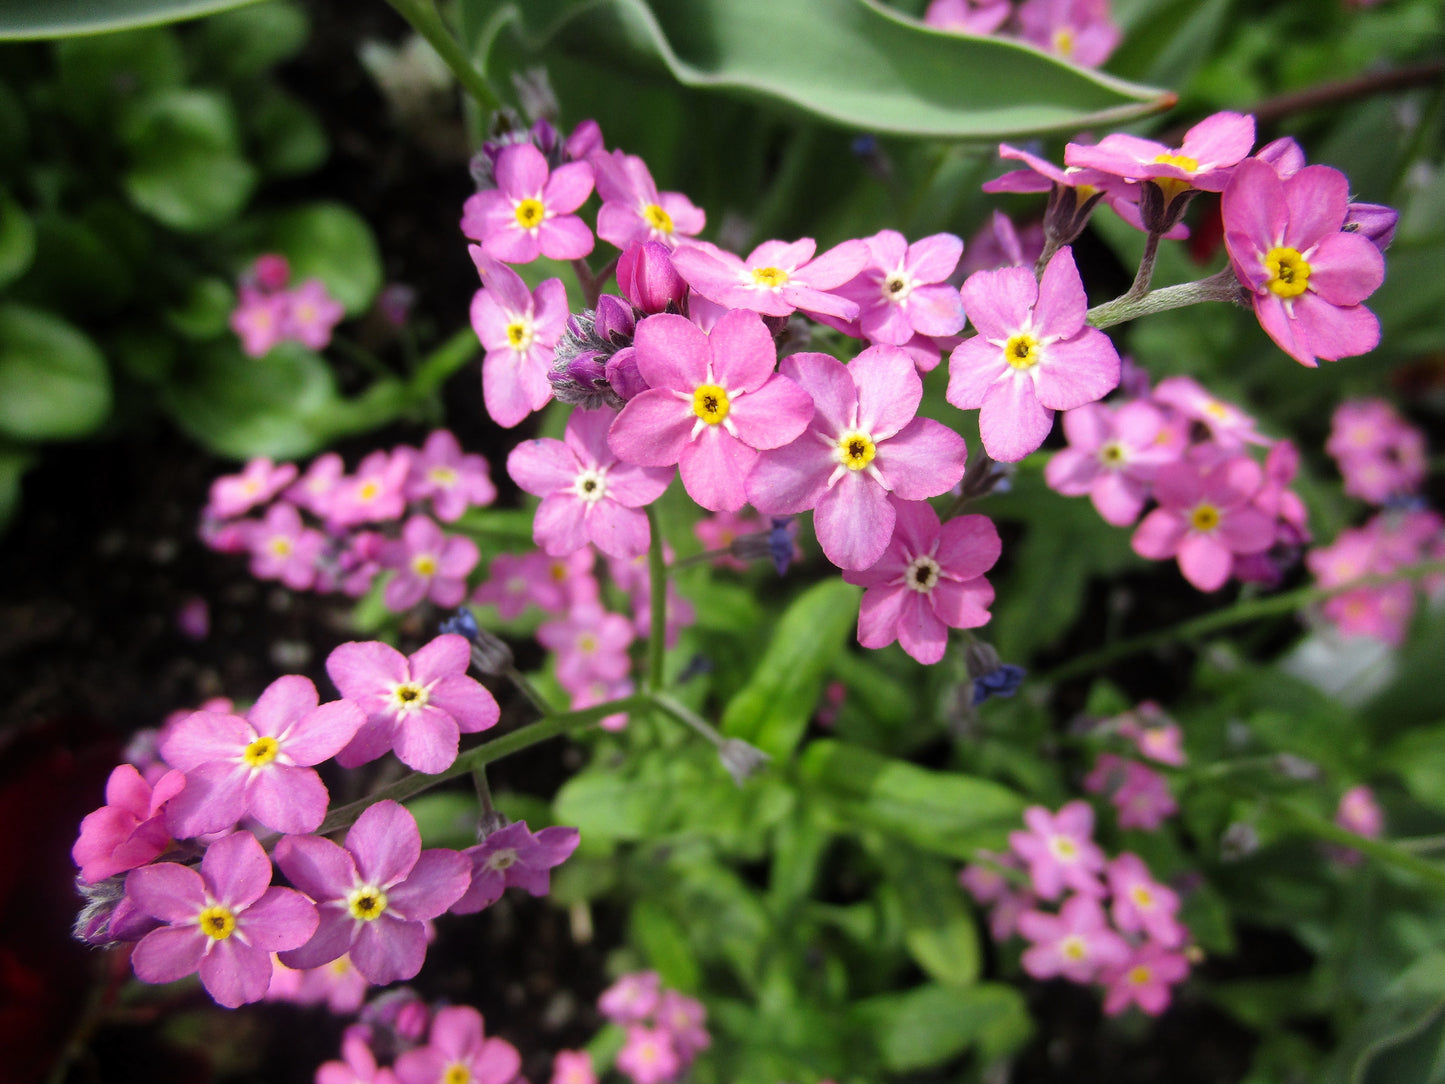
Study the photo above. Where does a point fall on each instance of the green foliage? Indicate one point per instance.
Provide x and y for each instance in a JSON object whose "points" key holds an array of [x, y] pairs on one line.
{"points": [[53, 380], [23, 19]]}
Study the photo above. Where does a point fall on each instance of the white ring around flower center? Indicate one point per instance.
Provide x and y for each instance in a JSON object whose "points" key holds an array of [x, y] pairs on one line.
{"points": [[590, 485], [922, 574]]}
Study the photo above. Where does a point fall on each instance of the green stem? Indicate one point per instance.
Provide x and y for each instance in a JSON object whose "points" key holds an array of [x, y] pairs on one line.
{"points": [[441, 363], [684, 714], [1378, 849], [473, 759], [1238, 614], [1223, 286], [1420, 843], [657, 573], [1145, 274], [427, 21]]}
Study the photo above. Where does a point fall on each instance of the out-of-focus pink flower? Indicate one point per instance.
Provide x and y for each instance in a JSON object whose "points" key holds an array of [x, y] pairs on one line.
{"points": [[1059, 850], [1077, 943], [632, 208], [428, 565], [1145, 979]]}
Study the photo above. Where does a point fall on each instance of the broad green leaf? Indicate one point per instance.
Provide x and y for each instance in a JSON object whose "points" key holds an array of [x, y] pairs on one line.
{"points": [[186, 168], [851, 62], [249, 41], [938, 927], [17, 239], [75, 271], [942, 812], [929, 1025], [99, 75], [773, 709], [206, 312], [54, 384], [64, 18], [287, 137], [664, 940], [448, 819], [330, 242]]}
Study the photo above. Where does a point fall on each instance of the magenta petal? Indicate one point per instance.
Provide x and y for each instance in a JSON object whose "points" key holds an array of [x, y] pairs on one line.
{"points": [[1205, 561], [714, 470], [963, 605], [385, 842], [672, 352], [361, 668], [324, 732], [878, 615], [1012, 423], [923, 460], [169, 954], [237, 868], [652, 429], [281, 919], [773, 415], [1337, 331], [568, 188], [447, 654], [335, 930], [466, 701], [543, 466], [389, 950], [167, 891], [204, 736], [998, 302], [618, 531], [1159, 535], [968, 546], [1318, 197], [1345, 269], [322, 869], [889, 390], [790, 479], [435, 883], [1288, 334], [742, 350], [287, 799], [372, 740], [284, 702], [1247, 530], [235, 973], [1061, 305], [854, 521], [920, 633], [214, 799]]}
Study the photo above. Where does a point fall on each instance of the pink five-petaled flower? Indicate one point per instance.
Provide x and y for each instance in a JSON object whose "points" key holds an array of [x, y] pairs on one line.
{"points": [[632, 208], [129, 830], [1212, 150], [904, 290], [1077, 943], [573, 1067], [358, 1064], [713, 401], [529, 212], [863, 443], [374, 895], [1144, 978], [518, 329], [1059, 850], [1205, 516], [457, 1052], [428, 564], [224, 920], [776, 278], [259, 765], [235, 494], [1080, 31], [259, 321], [968, 16], [648, 1056], [1306, 275], [513, 857], [283, 548], [1033, 355], [311, 314], [588, 495], [929, 579], [418, 706], [1143, 905], [632, 998], [1112, 456], [453, 481]]}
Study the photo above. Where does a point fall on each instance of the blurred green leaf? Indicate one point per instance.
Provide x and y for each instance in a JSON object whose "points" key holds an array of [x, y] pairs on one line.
{"points": [[773, 709], [64, 18], [206, 311], [288, 138], [942, 812], [186, 168], [99, 75], [249, 41], [74, 270], [663, 939], [17, 239], [330, 242], [929, 1025], [54, 384], [448, 819], [938, 927], [13, 465], [852, 62]]}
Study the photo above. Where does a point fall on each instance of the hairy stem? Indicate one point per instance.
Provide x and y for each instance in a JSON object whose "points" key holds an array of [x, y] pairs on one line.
{"points": [[427, 21]]}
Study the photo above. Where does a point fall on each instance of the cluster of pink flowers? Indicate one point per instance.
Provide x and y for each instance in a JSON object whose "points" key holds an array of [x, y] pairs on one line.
{"points": [[1079, 31], [380, 519], [1135, 948], [666, 1031], [1140, 794], [423, 1045], [1218, 511], [212, 779], [1382, 457], [268, 312]]}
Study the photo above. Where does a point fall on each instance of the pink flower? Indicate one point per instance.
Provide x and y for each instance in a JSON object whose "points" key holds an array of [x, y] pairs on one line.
{"points": [[634, 211], [685, 1019], [929, 579], [986, 880], [573, 1067], [863, 443], [129, 830], [236, 494], [1033, 355], [1079, 31], [1000, 244], [713, 401], [311, 314], [259, 320], [1154, 736], [648, 1056], [1305, 274], [904, 289], [452, 481], [1077, 943], [590, 644], [519, 330], [338, 985], [358, 1064], [1383, 611], [313, 490], [224, 920], [514, 857], [1143, 905], [777, 278], [632, 998], [375, 493], [588, 494], [1059, 850], [457, 1051], [418, 706], [1358, 812], [529, 212], [1211, 151], [1112, 456], [1145, 979], [374, 895], [283, 548], [259, 765], [428, 564], [1143, 799], [1204, 518], [553, 584], [1229, 427], [271, 272], [968, 16], [720, 531], [1379, 453]]}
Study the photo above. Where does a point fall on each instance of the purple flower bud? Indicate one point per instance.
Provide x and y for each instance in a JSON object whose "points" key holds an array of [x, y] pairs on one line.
{"points": [[623, 374], [1372, 220], [544, 137], [108, 916], [614, 320], [395, 304], [647, 278], [585, 141]]}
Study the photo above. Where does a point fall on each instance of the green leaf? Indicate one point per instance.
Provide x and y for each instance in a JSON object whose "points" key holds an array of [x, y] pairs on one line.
{"points": [[929, 1025], [288, 138], [851, 62], [938, 927], [249, 41], [75, 271], [330, 242], [206, 312], [772, 710], [13, 466], [20, 19], [99, 75], [186, 168], [54, 384], [942, 812], [17, 239], [664, 941], [446, 820]]}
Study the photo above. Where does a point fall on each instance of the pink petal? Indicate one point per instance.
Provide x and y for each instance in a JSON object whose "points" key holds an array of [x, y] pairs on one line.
{"points": [[287, 799], [790, 479], [1158, 537], [564, 238], [854, 522], [360, 669], [1012, 423], [237, 868], [324, 732], [322, 869], [923, 460], [672, 352], [567, 189], [544, 466], [878, 615], [466, 701], [1345, 269], [447, 654], [920, 633], [1317, 197], [1077, 371], [281, 919], [889, 390], [283, 703], [963, 605], [773, 415], [999, 302], [1336, 331], [560, 525], [521, 171], [205, 736], [435, 883], [1061, 305], [385, 843], [714, 469], [830, 385], [968, 546], [213, 800], [389, 950], [1205, 561], [427, 740], [169, 954], [742, 351], [618, 531], [653, 429], [167, 891], [334, 932]]}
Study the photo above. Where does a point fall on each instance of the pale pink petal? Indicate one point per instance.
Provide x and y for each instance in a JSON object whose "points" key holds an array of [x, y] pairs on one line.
{"points": [[773, 415], [1159, 535], [322, 869], [359, 669], [385, 842], [854, 522], [324, 732], [287, 799], [1012, 423], [167, 891], [169, 954], [653, 429], [435, 883], [465, 700], [923, 460], [998, 302], [388, 950], [714, 469], [1205, 561]]}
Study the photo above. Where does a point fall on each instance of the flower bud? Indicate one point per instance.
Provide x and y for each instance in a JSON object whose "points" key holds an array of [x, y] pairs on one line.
{"points": [[613, 320], [646, 277], [1374, 221], [741, 759], [623, 376]]}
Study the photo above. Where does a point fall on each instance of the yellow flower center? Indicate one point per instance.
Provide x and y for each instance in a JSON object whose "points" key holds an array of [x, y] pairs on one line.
{"points": [[216, 922], [587, 643], [558, 571], [1205, 517], [409, 697], [1112, 453], [424, 564], [1073, 947], [1022, 350], [1063, 848], [530, 213], [369, 491], [710, 403], [281, 546], [261, 751], [457, 1073], [1064, 41], [444, 476], [657, 218], [519, 335], [366, 903], [1142, 897], [770, 278], [1289, 273], [1139, 975], [856, 450], [1183, 161]]}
